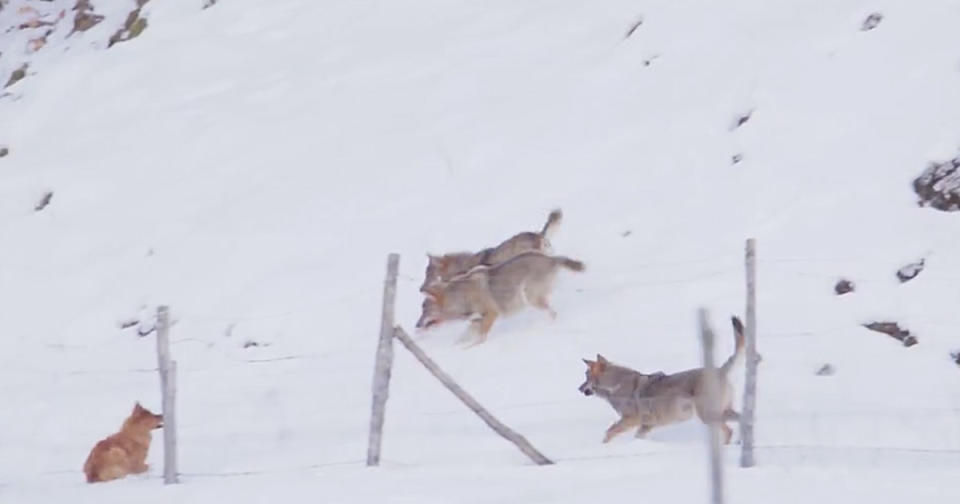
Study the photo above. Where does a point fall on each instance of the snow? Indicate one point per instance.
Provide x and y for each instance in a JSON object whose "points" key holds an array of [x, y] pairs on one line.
{"points": [[252, 164]]}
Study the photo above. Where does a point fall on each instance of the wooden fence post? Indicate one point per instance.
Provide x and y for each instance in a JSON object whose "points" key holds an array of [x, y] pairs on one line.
{"points": [[750, 382], [168, 390], [384, 362], [715, 413], [170, 474], [471, 403]]}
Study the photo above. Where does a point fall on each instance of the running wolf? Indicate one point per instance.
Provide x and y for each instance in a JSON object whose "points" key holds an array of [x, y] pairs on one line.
{"points": [[646, 401], [447, 266], [490, 291]]}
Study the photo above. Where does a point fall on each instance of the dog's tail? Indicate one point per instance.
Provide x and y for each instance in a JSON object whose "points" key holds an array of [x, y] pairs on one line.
{"points": [[553, 220], [738, 352], [570, 264]]}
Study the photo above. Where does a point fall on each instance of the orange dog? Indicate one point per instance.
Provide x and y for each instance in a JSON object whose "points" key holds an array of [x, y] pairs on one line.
{"points": [[125, 452]]}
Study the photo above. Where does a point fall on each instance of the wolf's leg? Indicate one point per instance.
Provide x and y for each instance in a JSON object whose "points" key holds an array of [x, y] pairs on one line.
{"points": [[482, 327], [643, 431], [730, 414], [620, 426], [140, 467], [542, 303]]}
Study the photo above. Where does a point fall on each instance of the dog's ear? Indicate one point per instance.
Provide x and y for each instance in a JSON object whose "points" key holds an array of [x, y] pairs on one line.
{"points": [[137, 407], [602, 360], [589, 362]]}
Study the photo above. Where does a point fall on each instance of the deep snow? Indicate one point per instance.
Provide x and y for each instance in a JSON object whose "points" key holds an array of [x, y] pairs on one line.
{"points": [[252, 164]]}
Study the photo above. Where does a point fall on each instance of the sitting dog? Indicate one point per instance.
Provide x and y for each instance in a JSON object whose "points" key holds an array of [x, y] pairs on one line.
{"points": [[125, 452], [443, 268], [488, 292], [646, 401]]}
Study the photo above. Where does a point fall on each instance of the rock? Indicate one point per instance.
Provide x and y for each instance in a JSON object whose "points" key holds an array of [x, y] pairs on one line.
{"points": [[736, 158], [827, 370], [633, 28], [4, 151], [742, 119], [132, 27], [910, 271], [871, 22], [893, 330], [85, 18], [956, 357], [844, 286], [939, 186], [17, 75], [44, 201]]}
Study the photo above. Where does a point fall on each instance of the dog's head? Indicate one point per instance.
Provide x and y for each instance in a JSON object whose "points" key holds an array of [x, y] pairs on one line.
{"points": [[142, 419], [431, 312], [595, 372], [436, 267]]}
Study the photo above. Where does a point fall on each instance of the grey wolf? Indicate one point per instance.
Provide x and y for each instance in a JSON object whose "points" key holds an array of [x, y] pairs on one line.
{"points": [[646, 401], [125, 452], [447, 266], [487, 292]]}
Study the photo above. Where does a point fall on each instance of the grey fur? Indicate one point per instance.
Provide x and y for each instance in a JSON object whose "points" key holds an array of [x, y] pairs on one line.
{"points": [[646, 401], [447, 266], [490, 291]]}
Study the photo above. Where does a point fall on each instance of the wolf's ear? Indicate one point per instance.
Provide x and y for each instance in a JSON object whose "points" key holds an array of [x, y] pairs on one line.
{"points": [[137, 407], [588, 362], [601, 359]]}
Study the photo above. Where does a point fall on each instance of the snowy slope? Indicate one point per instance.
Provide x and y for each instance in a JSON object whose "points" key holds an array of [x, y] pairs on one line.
{"points": [[252, 164]]}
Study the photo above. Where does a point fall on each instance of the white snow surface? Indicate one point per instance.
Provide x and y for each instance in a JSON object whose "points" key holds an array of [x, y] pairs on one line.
{"points": [[252, 164]]}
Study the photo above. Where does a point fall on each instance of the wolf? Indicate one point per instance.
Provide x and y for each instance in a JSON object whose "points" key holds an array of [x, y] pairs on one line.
{"points": [[445, 267], [486, 292], [125, 452], [646, 401]]}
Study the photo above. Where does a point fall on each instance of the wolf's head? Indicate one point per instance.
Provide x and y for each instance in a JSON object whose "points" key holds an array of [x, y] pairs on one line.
{"points": [[143, 420], [431, 312], [595, 375]]}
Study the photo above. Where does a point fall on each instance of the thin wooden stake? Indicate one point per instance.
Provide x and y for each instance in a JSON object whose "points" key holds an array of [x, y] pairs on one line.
{"points": [[750, 383], [501, 429], [170, 474], [168, 390], [714, 413], [384, 362]]}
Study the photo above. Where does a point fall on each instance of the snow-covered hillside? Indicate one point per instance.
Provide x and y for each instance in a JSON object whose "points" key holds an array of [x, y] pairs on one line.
{"points": [[251, 164]]}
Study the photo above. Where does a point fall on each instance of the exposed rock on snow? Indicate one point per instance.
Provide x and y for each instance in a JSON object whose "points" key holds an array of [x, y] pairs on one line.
{"points": [[939, 186], [844, 286], [893, 330], [910, 271], [871, 22], [17, 75], [44, 201], [826, 370], [132, 27]]}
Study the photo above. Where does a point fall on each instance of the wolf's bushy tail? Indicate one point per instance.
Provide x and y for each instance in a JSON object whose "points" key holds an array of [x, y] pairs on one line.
{"points": [[553, 220], [738, 352], [571, 264]]}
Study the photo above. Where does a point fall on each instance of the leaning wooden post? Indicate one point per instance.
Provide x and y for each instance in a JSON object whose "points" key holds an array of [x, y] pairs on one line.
{"points": [[384, 361], [713, 414], [168, 390], [750, 382], [452, 386]]}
